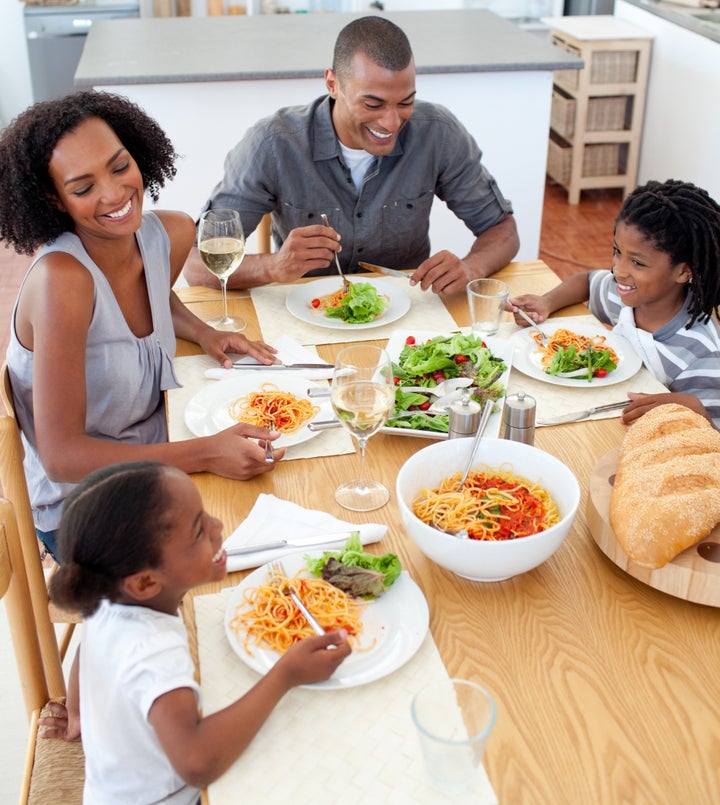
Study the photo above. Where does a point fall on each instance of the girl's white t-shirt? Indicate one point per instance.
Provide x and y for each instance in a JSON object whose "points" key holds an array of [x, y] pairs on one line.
{"points": [[129, 656]]}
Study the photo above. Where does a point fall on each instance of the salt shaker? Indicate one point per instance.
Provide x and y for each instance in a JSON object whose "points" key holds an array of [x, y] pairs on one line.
{"points": [[519, 418], [464, 417]]}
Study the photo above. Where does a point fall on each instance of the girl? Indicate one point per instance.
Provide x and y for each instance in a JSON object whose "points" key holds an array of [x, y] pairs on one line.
{"points": [[94, 326], [661, 293], [134, 538]]}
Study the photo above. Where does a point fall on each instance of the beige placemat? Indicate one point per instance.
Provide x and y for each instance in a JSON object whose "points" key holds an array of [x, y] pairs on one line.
{"points": [[554, 401], [190, 371], [426, 311], [318, 746]]}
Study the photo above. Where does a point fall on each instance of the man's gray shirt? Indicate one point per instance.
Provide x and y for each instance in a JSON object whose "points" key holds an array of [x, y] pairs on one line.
{"points": [[290, 164]]}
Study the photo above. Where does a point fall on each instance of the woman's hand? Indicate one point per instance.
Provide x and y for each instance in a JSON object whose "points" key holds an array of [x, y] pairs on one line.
{"points": [[535, 306], [235, 454], [217, 344]]}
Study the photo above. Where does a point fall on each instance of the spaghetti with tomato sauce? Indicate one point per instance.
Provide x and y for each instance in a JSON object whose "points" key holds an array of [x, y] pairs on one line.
{"points": [[492, 505]]}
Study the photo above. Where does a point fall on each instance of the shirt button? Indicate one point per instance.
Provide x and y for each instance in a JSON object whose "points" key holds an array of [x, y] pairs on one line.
{"points": [[360, 249], [311, 215], [409, 206], [359, 215]]}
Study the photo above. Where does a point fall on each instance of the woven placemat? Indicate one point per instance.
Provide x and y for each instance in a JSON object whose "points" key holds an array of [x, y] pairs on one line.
{"points": [[426, 309], [355, 745], [190, 371]]}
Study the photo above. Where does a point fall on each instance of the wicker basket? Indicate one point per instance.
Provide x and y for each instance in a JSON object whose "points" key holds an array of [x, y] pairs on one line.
{"points": [[606, 66], [603, 113], [599, 159]]}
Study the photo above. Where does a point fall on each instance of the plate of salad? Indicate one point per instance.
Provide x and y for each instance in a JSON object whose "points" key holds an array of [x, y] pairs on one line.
{"points": [[394, 621], [371, 303], [424, 359], [580, 356]]}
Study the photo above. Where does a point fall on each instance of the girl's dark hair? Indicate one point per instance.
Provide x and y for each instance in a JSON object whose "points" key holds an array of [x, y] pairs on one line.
{"points": [[377, 38], [113, 525], [28, 218], [684, 221]]}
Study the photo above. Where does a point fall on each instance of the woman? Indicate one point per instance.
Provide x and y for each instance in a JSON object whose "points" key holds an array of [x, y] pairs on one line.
{"points": [[94, 326]]}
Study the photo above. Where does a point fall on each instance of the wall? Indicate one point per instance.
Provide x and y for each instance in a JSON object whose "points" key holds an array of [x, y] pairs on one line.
{"points": [[15, 88], [682, 124]]}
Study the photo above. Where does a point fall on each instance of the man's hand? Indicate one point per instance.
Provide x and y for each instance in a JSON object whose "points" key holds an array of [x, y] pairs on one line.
{"points": [[304, 249], [444, 272]]}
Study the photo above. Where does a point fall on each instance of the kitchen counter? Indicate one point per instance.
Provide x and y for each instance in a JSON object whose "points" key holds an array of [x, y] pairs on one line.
{"points": [[206, 80], [702, 21], [240, 48]]}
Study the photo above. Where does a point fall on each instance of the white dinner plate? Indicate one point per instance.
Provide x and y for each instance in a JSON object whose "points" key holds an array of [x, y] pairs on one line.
{"points": [[528, 359], [500, 347], [299, 300], [207, 412], [397, 621]]}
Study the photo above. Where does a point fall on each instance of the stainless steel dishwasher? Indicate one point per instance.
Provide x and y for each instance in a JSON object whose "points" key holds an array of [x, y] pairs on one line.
{"points": [[55, 37]]}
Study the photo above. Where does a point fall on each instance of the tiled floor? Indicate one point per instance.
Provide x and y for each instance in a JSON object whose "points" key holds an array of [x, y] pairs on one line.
{"points": [[572, 239]]}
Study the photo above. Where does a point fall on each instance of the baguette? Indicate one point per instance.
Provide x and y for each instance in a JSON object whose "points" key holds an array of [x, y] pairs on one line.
{"points": [[666, 495]]}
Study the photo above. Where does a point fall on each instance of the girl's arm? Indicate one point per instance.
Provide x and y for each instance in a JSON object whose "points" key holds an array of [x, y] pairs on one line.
{"points": [[61, 719], [571, 291], [201, 749]]}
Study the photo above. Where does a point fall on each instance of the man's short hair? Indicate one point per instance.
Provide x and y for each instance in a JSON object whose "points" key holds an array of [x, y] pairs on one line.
{"points": [[375, 37]]}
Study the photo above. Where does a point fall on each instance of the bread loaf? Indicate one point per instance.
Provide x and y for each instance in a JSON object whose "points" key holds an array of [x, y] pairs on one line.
{"points": [[666, 495]]}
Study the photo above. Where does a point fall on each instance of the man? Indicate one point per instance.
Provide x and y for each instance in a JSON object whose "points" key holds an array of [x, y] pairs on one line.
{"points": [[372, 158]]}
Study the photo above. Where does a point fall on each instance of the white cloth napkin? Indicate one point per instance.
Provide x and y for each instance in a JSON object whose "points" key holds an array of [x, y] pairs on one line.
{"points": [[288, 351], [272, 519]]}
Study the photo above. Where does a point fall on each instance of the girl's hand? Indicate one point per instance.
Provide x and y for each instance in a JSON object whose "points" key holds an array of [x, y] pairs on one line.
{"points": [[57, 722], [314, 659], [217, 344], [641, 403], [535, 306], [235, 454]]}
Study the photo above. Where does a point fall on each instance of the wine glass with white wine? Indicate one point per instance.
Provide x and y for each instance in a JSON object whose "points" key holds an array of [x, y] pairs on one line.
{"points": [[222, 247], [363, 396]]}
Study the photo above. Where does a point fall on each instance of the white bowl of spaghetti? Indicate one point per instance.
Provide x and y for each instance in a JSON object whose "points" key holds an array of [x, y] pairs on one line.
{"points": [[517, 505]]}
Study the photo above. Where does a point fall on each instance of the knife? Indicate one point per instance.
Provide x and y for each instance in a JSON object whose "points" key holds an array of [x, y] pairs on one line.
{"points": [[578, 416], [391, 272], [299, 542], [254, 366]]}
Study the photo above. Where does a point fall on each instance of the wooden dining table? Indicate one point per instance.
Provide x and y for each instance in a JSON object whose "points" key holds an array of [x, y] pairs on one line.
{"points": [[607, 689]]}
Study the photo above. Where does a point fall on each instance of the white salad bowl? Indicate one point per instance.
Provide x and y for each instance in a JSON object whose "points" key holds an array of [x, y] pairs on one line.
{"points": [[481, 560]]}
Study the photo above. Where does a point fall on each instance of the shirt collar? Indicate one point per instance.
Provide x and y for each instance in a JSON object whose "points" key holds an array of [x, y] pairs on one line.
{"points": [[325, 141]]}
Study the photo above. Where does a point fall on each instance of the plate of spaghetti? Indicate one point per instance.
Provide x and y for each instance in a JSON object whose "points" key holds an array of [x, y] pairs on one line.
{"points": [[582, 356], [309, 302], [261, 623], [280, 404], [494, 504]]}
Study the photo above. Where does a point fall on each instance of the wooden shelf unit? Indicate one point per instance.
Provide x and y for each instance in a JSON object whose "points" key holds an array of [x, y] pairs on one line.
{"points": [[597, 112]]}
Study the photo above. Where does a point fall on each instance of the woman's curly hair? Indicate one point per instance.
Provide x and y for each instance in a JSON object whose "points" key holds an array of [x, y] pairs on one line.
{"points": [[28, 218]]}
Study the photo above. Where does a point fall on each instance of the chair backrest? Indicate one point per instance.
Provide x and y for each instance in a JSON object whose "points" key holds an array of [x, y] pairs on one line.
{"points": [[262, 233], [14, 487], [22, 619]]}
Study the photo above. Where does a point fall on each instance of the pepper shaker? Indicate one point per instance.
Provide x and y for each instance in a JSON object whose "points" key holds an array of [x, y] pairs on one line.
{"points": [[464, 417], [519, 418]]}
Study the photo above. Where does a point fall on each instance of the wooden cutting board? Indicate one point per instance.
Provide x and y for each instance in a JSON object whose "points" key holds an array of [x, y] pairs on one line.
{"points": [[693, 575]]}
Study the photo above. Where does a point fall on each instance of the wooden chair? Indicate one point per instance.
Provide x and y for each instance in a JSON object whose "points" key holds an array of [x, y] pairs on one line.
{"points": [[12, 478], [54, 769], [263, 235]]}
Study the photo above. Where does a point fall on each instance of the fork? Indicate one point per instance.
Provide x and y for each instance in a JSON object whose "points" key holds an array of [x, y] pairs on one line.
{"points": [[532, 324], [280, 579], [345, 282], [269, 455]]}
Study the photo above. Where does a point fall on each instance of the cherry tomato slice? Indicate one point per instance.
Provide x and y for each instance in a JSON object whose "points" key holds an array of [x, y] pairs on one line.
{"points": [[461, 359], [600, 373], [315, 303], [410, 340]]}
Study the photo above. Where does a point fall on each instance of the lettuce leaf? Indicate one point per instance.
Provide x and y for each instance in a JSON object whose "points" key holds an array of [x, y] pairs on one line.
{"points": [[354, 582], [361, 304]]}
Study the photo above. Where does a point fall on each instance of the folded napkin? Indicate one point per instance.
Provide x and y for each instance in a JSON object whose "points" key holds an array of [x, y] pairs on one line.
{"points": [[272, 519], [275, 319], [288, 351], [351, 745]]}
